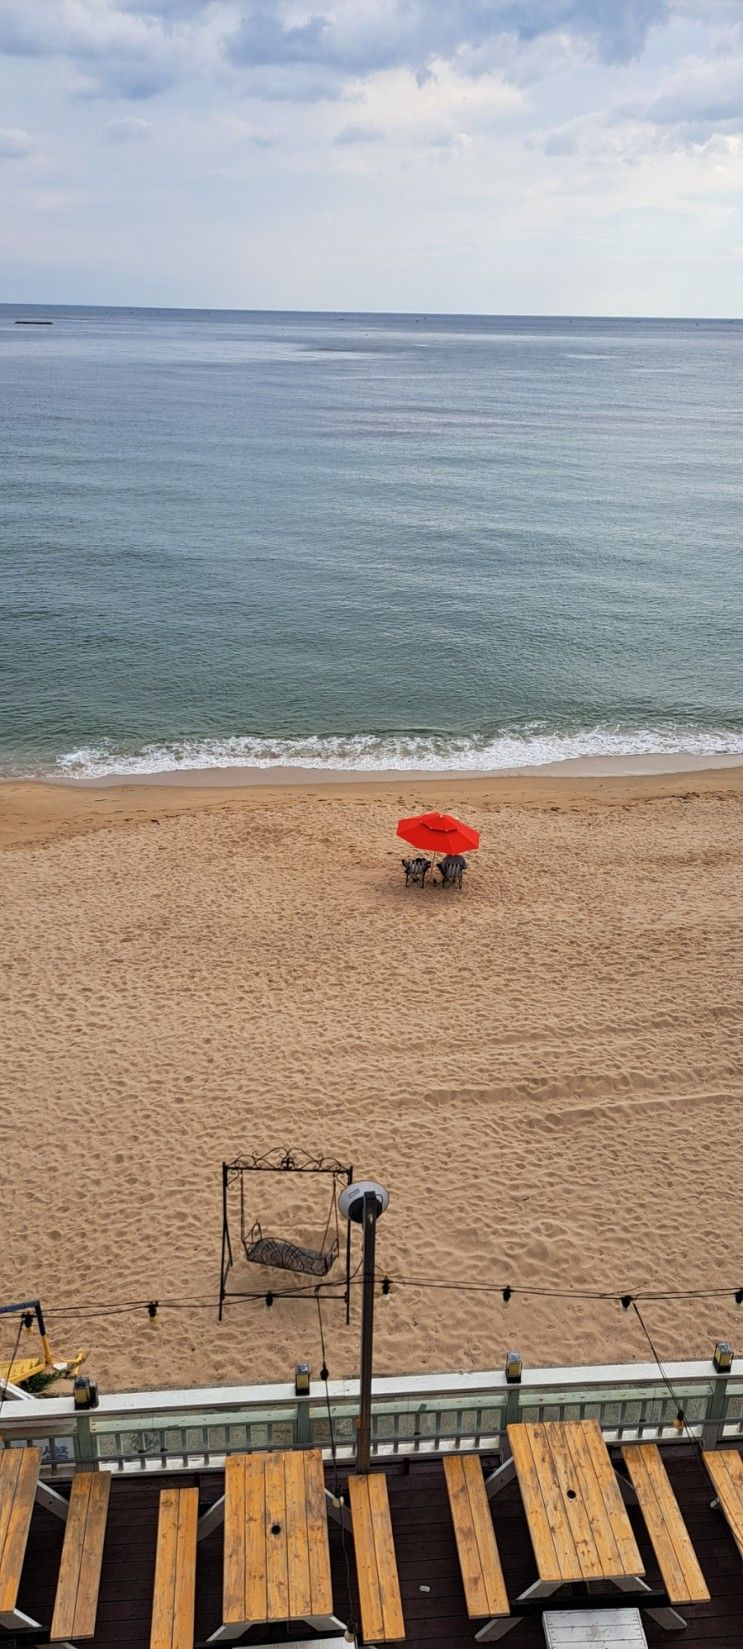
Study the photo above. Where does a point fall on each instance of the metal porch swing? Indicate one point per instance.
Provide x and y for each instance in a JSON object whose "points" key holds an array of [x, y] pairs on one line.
{"points": [[279, 1252], [290, 1256]]}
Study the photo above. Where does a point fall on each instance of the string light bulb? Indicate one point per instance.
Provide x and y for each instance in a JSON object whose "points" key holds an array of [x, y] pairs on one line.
{"points": [[680, 1421], [738, 1296], [324, 1373], [506, 1294], [386, 1287], [28, 1321], [152, 1306], [269, 1299], [625, 1301]]}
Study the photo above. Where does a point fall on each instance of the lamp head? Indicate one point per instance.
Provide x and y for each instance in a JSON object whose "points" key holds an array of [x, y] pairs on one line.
{"points": [[351, 1201]]}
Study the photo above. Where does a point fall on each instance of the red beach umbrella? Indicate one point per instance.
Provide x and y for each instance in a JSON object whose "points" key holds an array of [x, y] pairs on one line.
{"points": [[438, 833]]}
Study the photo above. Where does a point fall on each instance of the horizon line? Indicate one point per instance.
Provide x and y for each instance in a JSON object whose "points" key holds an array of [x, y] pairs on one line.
{"points": [[417, 314]]}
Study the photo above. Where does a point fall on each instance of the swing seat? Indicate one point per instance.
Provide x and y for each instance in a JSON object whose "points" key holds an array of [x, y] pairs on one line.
{"points": [[288, 1256]]}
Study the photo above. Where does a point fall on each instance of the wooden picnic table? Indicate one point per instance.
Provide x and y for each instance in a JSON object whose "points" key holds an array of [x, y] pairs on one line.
{"points": [[276, 1550], [579, 1528], [577, 1521]]}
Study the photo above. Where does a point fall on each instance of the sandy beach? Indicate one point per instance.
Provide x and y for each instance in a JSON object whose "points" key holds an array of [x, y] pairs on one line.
{"points": [[545, 1071]]}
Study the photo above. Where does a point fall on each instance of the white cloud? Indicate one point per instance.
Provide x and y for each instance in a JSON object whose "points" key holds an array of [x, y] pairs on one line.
{"points": [[15, 144], [119, 51], [448, 102], [699, 92], [358, 37], [505, 146], [128, 130], [139, 48], [358, 134]]}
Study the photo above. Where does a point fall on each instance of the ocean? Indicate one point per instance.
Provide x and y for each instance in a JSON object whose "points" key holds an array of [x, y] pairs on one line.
{"points": [[366, 542]]}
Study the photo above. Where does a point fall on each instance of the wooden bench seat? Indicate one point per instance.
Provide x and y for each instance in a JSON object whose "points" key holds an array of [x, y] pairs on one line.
{"points": [[76, 1601], [677, 1560], [479, 1561], [174, 1597], [19, 1474], [725, 1468], [376, 1567]]}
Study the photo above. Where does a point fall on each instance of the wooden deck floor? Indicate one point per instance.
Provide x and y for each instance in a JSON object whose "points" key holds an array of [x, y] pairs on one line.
{"points": [[433, 1600]]}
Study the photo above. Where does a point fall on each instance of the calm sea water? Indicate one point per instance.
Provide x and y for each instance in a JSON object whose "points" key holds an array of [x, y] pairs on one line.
{"points": [[366, 541]]}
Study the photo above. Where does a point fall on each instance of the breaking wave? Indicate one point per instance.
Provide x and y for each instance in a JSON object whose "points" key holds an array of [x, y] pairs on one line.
{"points": [[533, 745]]}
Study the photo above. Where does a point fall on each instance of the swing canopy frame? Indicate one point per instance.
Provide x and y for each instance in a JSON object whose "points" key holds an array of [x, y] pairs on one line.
{"points": [[279, 1252]]}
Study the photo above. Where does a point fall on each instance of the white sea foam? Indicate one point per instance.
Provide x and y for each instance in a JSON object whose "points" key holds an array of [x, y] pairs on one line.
{"points": [[529, 746]]}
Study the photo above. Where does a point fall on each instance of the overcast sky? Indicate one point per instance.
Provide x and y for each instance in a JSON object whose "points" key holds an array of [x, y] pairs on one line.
{"points": [[490, 156]]}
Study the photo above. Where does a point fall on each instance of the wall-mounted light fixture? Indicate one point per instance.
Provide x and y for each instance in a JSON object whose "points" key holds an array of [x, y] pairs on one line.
{"points": [[514, 1367], [722, 1357], [85, 1393]]}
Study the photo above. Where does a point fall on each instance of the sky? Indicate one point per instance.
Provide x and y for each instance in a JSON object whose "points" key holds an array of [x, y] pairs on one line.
{"points": [[470, 156]]}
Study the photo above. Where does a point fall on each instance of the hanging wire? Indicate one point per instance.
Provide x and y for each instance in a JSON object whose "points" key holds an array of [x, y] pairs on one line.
{"points": [[459, 1285], [681, 1421], [641, 1320], [324, 1371], [507, 1290]]}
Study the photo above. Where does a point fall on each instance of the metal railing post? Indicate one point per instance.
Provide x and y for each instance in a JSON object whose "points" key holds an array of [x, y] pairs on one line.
{"points": [[303, 1424], [714, 1419], [513, 1410], [86, 1452]]}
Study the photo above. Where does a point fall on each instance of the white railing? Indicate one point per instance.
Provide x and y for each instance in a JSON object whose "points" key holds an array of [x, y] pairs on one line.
{"points": [[412, 1415]]}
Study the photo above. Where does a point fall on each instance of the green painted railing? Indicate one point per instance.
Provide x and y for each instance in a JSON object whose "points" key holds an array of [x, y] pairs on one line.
{"points": [[413, 1414]]}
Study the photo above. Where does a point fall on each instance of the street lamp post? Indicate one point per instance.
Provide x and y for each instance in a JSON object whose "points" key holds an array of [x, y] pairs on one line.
{"points": [[363, 1203]]}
